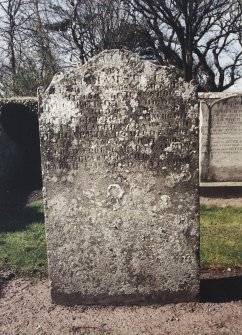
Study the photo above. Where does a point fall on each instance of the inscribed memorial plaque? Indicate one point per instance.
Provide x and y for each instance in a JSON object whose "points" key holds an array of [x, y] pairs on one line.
{"points": [[119, 142], [221, 140]]}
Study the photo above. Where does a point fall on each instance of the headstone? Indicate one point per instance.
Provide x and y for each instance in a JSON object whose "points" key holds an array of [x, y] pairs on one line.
{"points": [[119, 142], [221, 140]]}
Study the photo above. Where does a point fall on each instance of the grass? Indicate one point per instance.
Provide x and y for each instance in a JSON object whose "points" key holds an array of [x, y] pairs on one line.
{"points": [[23, 244], [221, 236], [22, 241]]}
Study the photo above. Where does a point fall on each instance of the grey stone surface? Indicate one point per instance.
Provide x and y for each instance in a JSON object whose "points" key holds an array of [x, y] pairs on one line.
{"points": [[221, 139], [119, 144], [211, 97]]}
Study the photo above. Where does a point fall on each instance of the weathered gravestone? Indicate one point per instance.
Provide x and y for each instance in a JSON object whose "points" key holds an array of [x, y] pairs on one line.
{"points": [[221, 140], [119, 148]]}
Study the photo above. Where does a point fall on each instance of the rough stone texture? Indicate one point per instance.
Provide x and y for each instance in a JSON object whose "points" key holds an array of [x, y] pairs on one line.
{"points": [[119, 144], [220, 139]]}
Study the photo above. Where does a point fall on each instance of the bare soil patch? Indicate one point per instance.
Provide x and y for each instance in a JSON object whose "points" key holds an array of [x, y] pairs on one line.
{"points": [[221, 202], [26, 309]]}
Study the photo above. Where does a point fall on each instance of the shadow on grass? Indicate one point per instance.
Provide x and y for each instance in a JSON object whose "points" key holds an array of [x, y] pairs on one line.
{"points": [[17, 216], [225, 192], [221, 289], [13, 197]]}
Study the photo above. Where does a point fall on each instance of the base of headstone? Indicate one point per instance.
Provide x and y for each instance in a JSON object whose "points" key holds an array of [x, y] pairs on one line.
{"points": [[159, 298]]}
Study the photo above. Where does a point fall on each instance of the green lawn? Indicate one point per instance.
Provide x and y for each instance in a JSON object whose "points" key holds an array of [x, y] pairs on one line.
{"points": [[221, 236], [23, 245], [22, 240]]}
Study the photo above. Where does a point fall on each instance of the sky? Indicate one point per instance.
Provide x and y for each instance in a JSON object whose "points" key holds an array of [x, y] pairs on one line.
{"points": [[236, 87]]}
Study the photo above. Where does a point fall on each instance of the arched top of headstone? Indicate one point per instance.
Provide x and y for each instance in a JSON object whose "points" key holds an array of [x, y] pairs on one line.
{"points": [[124, 63], [227, 101], [112, 71]]}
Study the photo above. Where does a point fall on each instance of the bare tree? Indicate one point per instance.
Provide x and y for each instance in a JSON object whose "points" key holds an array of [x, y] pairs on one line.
{"points": [[200, 37], [27, 57], [83, 28], [11, 18], [42, 42]]}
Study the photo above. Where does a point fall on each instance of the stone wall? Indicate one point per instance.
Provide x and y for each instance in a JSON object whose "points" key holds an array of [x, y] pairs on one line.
{"points": [[119, 145]]}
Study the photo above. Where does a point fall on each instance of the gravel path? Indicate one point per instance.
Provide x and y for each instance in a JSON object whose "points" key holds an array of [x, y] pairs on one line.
{"points": [[26, 309], [221, 202]]}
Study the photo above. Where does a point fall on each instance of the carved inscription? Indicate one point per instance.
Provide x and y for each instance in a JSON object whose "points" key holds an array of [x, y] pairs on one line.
{"points": [[151, 135], [226, 130], [221, 133], [119, 142]]}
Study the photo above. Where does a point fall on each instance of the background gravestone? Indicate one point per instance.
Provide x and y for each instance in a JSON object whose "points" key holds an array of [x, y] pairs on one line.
{"points": [[9, 158], [20, 167], [119, 143], [221, 140]]}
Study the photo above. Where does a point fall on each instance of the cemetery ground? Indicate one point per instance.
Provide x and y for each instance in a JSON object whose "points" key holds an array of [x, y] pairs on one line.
{"points": [[25, 300]]}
